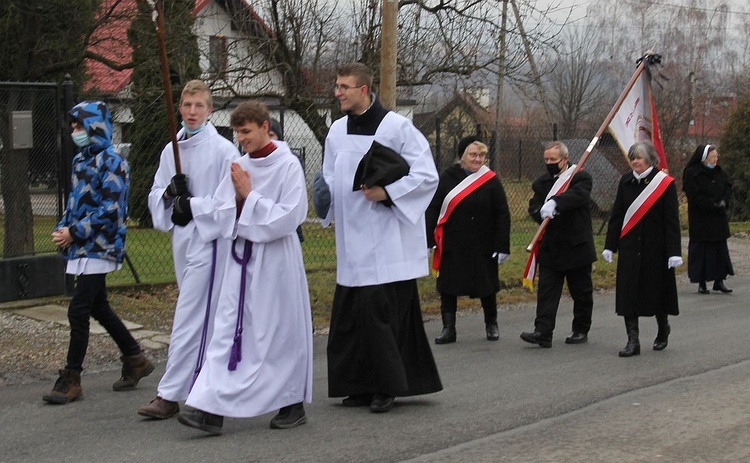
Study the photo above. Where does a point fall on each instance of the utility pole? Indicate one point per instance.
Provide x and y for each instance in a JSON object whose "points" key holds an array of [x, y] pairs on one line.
{"points": [[388, 54], [502, 48]]}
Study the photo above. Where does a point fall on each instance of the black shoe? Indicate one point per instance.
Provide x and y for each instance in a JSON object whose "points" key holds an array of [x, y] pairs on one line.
{"points": [[702, 288], [289, 417], [493, 332], [536, 337], [357, 400], [630, 350], [204, 421], [719, 286], [660, 344], [577, 338], [447, 335], [381, 403]]}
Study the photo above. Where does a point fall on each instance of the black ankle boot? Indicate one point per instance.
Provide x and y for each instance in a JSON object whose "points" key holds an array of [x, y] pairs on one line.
{"points": [[489, 306], [662, 336], [448, 334], [702, 288], [719, 286], [492, 331], [633, 347]]}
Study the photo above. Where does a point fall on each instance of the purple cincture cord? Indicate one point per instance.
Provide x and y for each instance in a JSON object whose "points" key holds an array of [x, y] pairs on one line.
{"points": [[204, 334], [235, 355]]}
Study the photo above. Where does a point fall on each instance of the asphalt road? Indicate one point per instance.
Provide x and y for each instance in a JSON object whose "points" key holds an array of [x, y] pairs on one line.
{"points": [[503, 401]]}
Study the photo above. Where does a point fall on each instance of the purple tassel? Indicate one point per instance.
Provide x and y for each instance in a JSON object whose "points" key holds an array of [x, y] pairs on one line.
{"points": [[204, 333], [235, 356]]}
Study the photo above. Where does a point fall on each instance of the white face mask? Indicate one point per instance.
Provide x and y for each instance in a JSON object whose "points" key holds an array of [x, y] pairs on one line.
{"points": [[81, 139]]}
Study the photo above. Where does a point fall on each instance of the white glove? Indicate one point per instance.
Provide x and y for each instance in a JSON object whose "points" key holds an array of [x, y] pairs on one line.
{"points": [[607, 255], [674, 262], [501, 257], [549, 209]]}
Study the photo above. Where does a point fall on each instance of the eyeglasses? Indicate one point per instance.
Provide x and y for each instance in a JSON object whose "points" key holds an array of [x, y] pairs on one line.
{"points": [[476, 155], [343, 88]]}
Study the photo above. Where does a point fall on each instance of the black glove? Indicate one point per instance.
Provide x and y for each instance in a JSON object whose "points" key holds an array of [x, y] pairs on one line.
{"points": [[181, 213], [178, 186]]}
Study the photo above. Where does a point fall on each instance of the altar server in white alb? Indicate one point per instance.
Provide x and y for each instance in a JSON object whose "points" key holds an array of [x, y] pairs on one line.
{"points": [[377, 347], [259, 358], [183, 204]]}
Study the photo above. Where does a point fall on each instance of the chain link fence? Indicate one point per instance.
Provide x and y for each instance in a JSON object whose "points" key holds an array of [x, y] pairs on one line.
{"points": [[30, 167], [34, 179]]}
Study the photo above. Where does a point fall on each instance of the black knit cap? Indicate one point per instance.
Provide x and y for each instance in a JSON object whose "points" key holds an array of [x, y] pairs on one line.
{"points": [[464, 143]]}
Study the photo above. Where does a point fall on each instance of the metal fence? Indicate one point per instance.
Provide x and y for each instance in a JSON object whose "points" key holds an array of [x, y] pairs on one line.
{"points": [[34, 179], [30, 165], [31, 169]]}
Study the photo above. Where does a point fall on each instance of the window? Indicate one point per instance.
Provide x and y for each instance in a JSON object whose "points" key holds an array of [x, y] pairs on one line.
{"points": [[217, 55]]}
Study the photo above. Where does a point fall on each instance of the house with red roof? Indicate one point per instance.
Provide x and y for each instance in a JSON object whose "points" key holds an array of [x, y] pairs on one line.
{"points": [[233, 62], [224, 29], [710, 116]]}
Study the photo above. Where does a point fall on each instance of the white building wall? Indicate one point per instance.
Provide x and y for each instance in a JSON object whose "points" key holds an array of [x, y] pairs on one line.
{"points": [[239, 78]]}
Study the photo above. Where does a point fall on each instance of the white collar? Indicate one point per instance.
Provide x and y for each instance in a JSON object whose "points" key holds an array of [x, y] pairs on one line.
{"points": [[644, 174]]}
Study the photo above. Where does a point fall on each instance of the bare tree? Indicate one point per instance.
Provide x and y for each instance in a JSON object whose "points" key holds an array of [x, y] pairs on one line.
{"points": [[304, 41], [702, 56], [577, 84]]}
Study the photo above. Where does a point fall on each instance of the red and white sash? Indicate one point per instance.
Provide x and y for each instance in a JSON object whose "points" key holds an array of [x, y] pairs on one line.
{"points": [[452, 199], [560, 184], [562, 180], [653, 191]]}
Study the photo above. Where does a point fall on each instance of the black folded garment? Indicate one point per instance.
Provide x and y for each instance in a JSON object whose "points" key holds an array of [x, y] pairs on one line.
{"points": [[380, 166]]}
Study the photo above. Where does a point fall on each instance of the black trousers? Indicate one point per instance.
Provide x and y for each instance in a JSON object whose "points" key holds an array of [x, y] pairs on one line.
{"points": [[90, 300], [449, 303], [550, 290]]}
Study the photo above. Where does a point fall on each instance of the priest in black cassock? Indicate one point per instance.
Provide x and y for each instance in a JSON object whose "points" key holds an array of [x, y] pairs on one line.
{"points": [[377, 346]]}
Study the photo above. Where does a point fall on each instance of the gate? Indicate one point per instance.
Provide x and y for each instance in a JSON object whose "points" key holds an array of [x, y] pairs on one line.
{"points": [[34, 168]]}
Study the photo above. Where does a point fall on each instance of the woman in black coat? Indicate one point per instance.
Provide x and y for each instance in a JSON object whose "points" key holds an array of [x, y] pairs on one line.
{"points": [[708, 192], [648, 245], [475, 238]]}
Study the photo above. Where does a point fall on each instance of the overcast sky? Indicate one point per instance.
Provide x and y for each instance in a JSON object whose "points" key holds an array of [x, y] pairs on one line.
{"points": [[579, 7]]}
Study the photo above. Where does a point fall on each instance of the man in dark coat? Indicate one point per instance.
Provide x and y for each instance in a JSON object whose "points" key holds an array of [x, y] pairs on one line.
{"points": [[567, 248]]}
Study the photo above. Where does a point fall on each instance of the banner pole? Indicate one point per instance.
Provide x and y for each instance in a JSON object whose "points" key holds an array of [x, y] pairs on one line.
{"points": [[157, 15]]}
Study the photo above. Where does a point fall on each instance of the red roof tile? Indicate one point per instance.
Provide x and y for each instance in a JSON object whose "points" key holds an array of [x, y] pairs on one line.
{"points": [[110, 40]]}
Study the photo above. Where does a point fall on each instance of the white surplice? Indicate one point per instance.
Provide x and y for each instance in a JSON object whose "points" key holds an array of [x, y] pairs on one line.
{"points": [[205, 158], [276, 363], [376, 244]]}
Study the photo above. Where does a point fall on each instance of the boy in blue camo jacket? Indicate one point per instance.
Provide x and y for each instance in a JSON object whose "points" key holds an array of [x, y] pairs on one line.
{"points": [[91, 235]]}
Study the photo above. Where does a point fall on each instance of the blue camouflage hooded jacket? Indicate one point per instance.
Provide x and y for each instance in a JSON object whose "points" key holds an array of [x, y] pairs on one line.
{"points": [[97, 208]]}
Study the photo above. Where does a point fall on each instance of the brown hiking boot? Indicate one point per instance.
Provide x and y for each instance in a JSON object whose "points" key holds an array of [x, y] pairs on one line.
{"points": [[159, 409], [134, 367], [67, 388]]}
